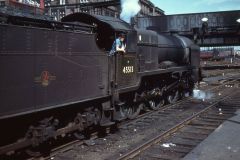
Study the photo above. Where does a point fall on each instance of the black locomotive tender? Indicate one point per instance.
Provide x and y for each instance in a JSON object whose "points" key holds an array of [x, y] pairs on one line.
{"points": [[57, 77]]}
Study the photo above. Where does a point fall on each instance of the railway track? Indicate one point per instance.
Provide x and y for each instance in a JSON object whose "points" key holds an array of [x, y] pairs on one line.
{"points": [[179, 140], [143, 120], [216, 88], [146, 119]]}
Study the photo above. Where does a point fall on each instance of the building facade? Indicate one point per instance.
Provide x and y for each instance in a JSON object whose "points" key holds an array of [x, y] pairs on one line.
{"points": [[24, 6], [149, 9], [61, 8], [2, 3]]}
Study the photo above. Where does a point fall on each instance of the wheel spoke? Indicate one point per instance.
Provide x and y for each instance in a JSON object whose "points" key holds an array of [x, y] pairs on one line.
{"points": [[124, 111], [173, 97], [152, 105], [170, 99], [161, 103], [134, 111]]}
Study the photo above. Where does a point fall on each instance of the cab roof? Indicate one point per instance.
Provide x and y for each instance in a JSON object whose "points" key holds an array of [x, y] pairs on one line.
{"points": [[98, 20]]}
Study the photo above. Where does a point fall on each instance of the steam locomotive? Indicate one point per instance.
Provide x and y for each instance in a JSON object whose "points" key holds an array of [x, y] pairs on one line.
{"points": [[57, 78]]}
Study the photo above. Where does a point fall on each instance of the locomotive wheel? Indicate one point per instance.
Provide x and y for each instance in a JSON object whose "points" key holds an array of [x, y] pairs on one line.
{"points": [[134, 111], [161, 103], [152, 104], [79, 120], [172, 98], [156, 104], [124, 111]]}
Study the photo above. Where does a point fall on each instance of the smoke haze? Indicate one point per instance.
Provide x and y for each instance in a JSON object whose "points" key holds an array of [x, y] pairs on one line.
{"points": [[198, 94], [129, 9]]}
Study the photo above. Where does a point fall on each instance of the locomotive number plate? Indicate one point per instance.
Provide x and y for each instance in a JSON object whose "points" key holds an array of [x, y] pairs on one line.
{"points": [[128, 69]]}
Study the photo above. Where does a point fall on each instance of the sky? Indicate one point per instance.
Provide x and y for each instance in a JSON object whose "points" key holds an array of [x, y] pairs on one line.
{"points": [[196, 6]]}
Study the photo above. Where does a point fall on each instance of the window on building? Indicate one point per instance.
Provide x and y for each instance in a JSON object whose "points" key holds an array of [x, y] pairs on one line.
{"points": [[83, 1], [107, 13], [2, 3], [62, 2]]}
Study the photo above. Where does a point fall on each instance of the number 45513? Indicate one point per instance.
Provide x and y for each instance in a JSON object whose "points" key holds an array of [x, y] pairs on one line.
{"points": [[128, 69]]}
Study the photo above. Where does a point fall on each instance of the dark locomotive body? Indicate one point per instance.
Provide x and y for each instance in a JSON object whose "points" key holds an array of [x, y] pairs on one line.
{"points": [[62, 70], [161, 51], [42, 68]]}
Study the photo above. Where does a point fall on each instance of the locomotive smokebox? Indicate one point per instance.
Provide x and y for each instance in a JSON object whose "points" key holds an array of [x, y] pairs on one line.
{"points": [[163, 50]]}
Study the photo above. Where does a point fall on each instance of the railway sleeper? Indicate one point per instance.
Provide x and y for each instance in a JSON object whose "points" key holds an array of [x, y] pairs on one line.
{"points": [[200, 130], [216, 114], [165, 156], [159, 149], [229, 105], [176, 148], [177, 139], [195, 139], [211, 120], [186, 143], [181, 149], [192, 136], [215, 118], [203, 123]]}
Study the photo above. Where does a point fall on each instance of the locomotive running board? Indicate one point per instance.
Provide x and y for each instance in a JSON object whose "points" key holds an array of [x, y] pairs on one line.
{"points": [[159, 71]]}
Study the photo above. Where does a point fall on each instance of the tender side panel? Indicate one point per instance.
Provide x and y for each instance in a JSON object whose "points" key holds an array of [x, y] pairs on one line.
{"points": [[44, 68]]}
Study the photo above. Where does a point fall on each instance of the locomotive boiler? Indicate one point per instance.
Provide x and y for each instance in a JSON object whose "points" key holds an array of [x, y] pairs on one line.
{"points": [[57, 78]]}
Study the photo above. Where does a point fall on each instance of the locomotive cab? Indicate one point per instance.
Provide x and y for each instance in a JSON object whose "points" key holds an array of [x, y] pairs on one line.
{"points": [[106, 28], [123, 67]]}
